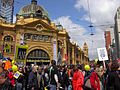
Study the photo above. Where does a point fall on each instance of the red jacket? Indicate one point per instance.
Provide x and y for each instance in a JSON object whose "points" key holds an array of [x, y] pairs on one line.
{"points": [[12, 80], [94, 80], [78, 80]]}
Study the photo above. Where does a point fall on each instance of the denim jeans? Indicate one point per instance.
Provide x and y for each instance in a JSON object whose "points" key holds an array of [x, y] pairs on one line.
{"points": [[70, 87], [19, 86], [53, 87]]}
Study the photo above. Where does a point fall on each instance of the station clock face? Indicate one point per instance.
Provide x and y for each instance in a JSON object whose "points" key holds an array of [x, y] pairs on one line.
{"points": [[39, 27]]}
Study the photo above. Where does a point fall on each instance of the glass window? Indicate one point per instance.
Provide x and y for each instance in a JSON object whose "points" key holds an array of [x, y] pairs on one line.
{"points": [[34, 37], [46, 38], [39, 54], [8, 39], [7, 50], [40, 37], [27, 36]]}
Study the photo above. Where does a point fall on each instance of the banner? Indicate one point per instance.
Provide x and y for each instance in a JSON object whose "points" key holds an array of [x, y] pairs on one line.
{"points": [[102, 54], [55, 50], [21, 51]]}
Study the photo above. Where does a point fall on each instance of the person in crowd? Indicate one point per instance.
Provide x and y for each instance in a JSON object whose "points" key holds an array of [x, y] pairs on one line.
{"points": [[2, 79], [20, 80], [106, 73], [94, 80], [53, 76], [65, 78], [26, 74], [113, 77], [40, 77], [46, 76], [60, 78], [10, 76], [70, 75], [78, 79], [32, 79], [86, 72], [100, 72]]}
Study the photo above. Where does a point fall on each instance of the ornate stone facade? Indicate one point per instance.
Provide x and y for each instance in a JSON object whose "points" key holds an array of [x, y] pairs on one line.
{"points": [[35, 39]]}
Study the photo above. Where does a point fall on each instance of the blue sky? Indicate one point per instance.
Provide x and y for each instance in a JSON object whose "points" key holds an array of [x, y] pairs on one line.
{"points": [[74, 16], [56, 8]]}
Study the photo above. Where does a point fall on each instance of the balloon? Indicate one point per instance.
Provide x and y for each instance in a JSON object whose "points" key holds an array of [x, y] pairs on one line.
{"points": [[13, 62], [14, 68], [87, 67], [96, 60]]}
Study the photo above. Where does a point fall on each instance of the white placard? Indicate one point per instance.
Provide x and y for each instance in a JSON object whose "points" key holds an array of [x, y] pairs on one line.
{"points": [[102, 54]]}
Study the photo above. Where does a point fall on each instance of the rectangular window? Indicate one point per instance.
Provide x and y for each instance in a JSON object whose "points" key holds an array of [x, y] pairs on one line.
{"points": [[7, 50]]}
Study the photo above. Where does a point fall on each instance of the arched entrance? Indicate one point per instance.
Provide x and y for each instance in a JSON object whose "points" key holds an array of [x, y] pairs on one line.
{"points": [[38, 56]]}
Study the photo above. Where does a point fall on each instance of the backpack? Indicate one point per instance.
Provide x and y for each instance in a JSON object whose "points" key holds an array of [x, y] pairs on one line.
{"points": [[87, 84]]}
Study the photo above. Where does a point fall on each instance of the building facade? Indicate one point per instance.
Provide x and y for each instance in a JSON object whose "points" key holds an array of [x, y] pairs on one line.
{"points": [[117, 32], [107, 40], [34, 38], [110, 43]]}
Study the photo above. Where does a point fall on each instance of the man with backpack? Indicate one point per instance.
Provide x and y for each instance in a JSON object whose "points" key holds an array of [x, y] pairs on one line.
{"points": [[53, 76]]}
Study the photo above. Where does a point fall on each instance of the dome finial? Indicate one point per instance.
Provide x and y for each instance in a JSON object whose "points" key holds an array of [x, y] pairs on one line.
{"points": [[34, 2]]}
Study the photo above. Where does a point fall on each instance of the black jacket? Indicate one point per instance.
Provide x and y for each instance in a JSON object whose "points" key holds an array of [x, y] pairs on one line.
{"points": [[113, 81], [52, 72], [32, 80]]}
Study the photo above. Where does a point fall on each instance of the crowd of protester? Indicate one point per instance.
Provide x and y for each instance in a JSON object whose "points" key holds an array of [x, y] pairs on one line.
{"points": [[94, 76]]}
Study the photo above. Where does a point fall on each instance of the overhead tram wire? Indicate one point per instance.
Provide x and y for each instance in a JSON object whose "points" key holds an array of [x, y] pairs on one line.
{"points": [[91, 26]]}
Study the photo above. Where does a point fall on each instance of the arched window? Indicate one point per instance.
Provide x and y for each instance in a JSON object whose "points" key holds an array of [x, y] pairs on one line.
{"points": [[7, 44], [38, 54], [8, 39], [39, 13]]}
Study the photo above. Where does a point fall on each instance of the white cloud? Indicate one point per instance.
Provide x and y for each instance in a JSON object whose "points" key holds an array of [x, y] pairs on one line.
{"points": [[14, 18], [78, 34], [102, 13], [73, 29]]}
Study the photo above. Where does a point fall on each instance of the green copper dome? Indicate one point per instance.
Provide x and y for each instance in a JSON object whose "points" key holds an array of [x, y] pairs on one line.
{"points": [[33, 10]]}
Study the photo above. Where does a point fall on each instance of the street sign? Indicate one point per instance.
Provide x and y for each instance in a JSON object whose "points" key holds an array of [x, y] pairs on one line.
{"points": [[102, 54]]}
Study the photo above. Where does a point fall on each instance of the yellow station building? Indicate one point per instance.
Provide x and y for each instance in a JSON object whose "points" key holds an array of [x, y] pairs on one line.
{"points": [[34, 38]]}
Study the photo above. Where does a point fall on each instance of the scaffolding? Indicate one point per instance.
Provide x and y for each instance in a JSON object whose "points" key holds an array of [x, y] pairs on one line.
{"points": [[6, 10]]}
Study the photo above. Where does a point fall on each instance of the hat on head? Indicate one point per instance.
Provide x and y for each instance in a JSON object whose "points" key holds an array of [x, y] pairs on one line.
{"points": [[87, 67]]}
